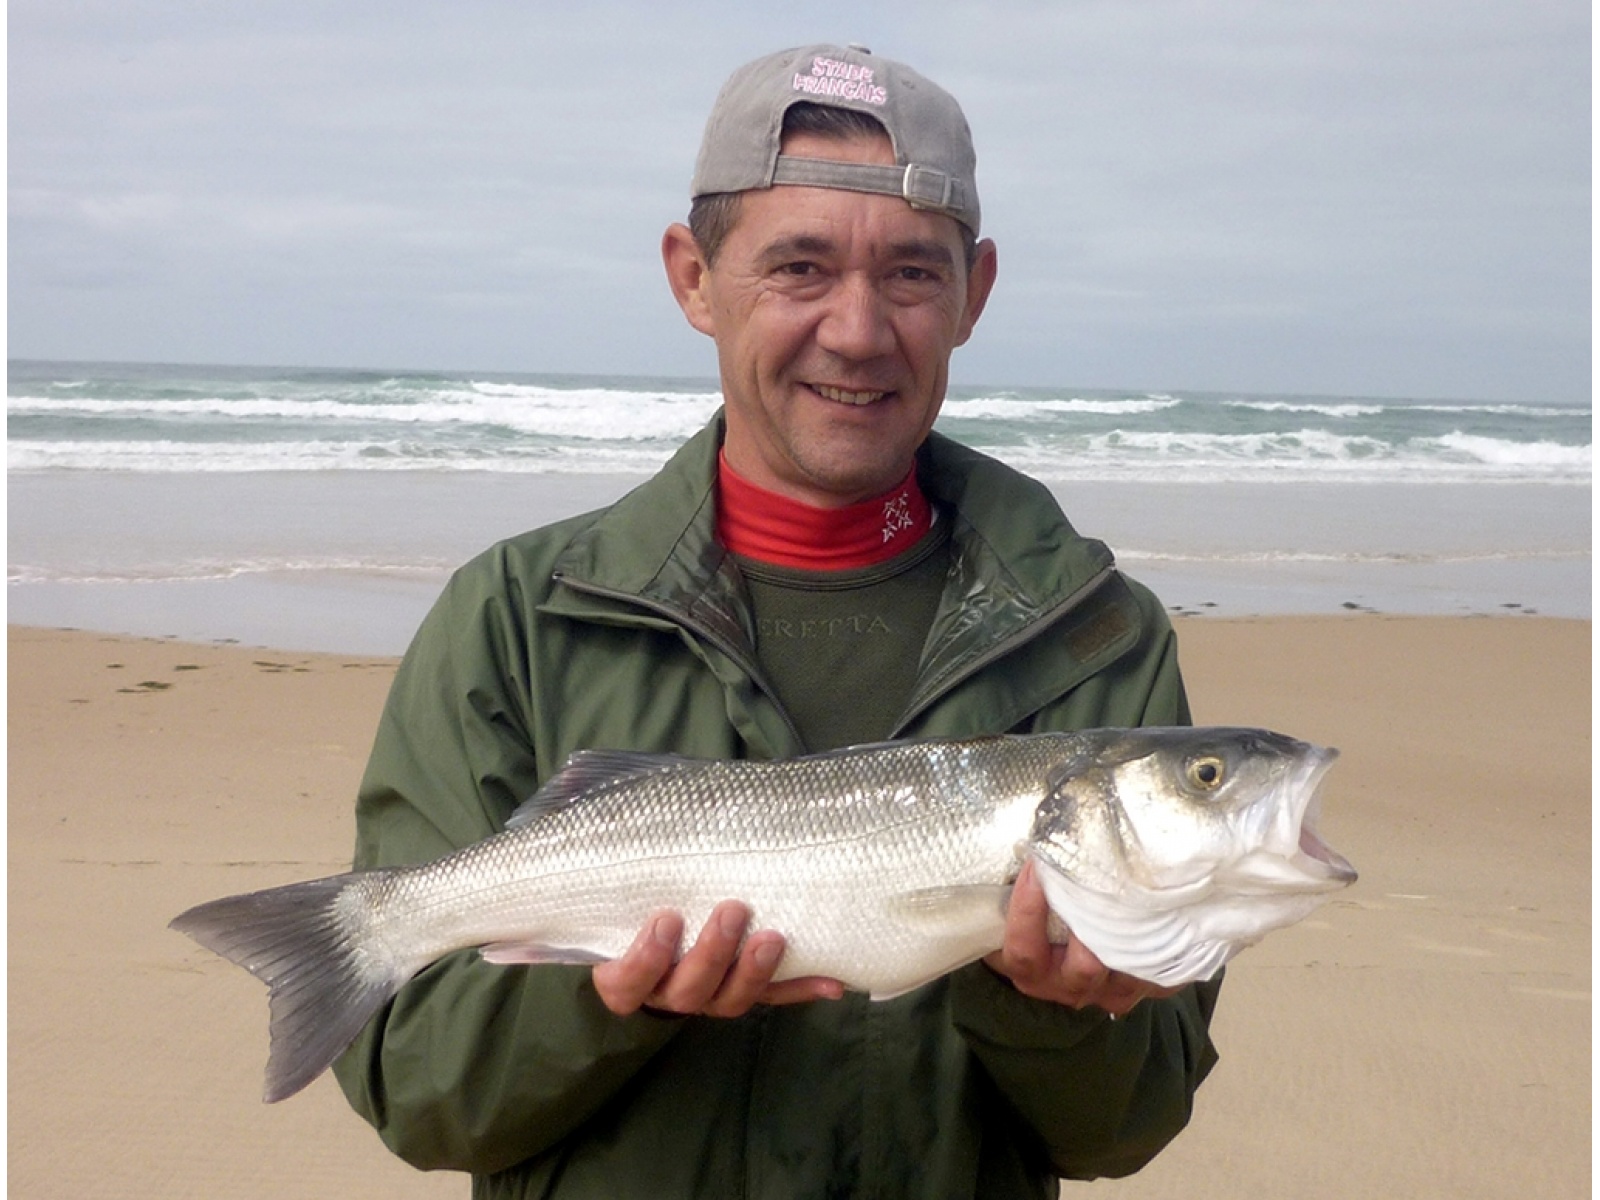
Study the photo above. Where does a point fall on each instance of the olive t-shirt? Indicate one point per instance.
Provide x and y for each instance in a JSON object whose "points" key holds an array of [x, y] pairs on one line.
{"points": [[841, 648]]}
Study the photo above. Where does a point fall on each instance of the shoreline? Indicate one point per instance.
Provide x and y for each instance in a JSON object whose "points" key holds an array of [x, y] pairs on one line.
{"points": [[1426, 1034], [352, 561], [376, 616]]}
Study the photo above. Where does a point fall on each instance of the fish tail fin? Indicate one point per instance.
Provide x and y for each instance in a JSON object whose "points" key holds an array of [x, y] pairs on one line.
{"points": [[304, 942]]}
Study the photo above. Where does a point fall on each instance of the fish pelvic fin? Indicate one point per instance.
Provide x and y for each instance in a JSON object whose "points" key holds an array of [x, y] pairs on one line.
{"points": [[955, 910], [303, 941], [960, 923]]}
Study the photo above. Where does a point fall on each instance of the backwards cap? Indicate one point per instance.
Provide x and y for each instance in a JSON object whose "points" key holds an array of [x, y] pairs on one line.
{"points": [[937, 167]]}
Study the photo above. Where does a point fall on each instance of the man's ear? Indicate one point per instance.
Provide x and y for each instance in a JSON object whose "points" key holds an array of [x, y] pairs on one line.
{"points": [[980, 282], [688, 275]]}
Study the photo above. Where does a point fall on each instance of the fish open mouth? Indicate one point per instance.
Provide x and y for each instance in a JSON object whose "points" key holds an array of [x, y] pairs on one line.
{"points": [[1290, 857], [1319, 861]]}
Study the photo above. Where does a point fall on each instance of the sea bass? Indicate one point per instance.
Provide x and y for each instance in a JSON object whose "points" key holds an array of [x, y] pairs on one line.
{"points": [[1165, 851]]}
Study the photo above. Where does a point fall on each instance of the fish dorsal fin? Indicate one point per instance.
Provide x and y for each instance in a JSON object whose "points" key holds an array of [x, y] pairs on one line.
{"points": [[590, 771]]}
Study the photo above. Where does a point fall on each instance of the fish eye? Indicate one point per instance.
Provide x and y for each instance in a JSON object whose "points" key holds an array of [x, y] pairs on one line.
{"points": [[1205, 772]]}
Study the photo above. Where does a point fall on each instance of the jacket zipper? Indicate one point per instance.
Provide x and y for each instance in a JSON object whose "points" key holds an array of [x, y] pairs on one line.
{"points": [[1004, 647], [705, 633]]}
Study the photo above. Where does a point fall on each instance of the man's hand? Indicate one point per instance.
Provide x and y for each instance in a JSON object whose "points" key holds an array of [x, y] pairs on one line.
{"points": [[1068, 973], [716, 978]]}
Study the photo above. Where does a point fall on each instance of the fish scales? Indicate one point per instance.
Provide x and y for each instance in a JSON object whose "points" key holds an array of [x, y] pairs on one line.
{"points": [[1164, 850], [805, 850]]}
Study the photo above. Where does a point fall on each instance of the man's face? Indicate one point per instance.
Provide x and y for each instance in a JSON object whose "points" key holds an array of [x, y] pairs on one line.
{"points": [[834, 314]]}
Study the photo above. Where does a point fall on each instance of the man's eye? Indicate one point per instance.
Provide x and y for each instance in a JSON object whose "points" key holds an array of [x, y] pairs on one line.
{"points": [[798, 269], [922, 280]]}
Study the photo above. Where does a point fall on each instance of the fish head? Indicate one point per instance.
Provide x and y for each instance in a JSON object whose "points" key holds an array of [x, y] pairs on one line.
{"points": [[1161, 816]]}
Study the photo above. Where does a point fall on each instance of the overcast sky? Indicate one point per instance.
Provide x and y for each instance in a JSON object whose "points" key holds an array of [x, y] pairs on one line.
{"points": [[1356, 197]]}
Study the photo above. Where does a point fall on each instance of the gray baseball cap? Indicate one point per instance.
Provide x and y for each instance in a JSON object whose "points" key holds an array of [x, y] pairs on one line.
{"points": [[937, 166]]}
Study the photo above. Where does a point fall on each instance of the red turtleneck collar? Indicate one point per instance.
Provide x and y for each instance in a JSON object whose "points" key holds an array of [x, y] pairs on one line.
{"points": [[770, 528]]}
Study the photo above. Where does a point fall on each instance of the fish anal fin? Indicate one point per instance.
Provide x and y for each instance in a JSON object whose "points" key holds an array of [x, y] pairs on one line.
{"points": [[507, 954]]}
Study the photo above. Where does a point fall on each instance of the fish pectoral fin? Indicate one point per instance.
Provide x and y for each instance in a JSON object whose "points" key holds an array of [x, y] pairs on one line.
{"points": [[508, 954], [948, 911]]}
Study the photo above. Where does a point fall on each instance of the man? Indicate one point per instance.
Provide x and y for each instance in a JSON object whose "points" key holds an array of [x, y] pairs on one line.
{"points": [[814, 569]]}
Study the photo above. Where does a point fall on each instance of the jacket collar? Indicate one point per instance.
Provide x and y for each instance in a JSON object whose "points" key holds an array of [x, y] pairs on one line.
{"points": [[1017, 566], [665, 530], [657, 546]]}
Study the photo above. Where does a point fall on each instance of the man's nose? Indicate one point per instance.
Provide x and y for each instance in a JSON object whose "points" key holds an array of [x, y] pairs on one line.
{"points": [[856, 324]]}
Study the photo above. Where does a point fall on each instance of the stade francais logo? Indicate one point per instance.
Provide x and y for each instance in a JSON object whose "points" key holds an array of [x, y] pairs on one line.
{"points": [[830, 77]]}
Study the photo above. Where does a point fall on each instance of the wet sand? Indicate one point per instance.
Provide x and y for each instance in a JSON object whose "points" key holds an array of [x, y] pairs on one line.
{"points": [[351, 561]]}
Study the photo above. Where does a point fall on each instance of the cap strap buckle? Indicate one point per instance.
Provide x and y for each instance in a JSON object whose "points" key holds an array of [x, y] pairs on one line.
{"points": [[920, 187], [925, 187]]}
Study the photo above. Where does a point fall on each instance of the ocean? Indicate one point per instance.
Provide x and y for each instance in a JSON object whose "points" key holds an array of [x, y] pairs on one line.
{"points": [[158, 418], [305, 508]]}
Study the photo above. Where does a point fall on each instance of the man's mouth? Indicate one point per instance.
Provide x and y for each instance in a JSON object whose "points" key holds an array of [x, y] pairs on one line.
{"points": [[846, 395]]}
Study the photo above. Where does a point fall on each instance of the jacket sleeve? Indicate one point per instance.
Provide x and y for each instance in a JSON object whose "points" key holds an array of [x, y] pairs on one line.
{"points": [[472, 1066], [1103, 1096]]}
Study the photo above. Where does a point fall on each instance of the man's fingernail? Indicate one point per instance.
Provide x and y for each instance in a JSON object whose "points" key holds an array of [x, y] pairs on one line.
{"points": [[767, 954], [663, 930], [732, 920]]}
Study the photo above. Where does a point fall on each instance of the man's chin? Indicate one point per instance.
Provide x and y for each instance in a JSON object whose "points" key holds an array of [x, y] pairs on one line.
{"points": [[838, 481]]}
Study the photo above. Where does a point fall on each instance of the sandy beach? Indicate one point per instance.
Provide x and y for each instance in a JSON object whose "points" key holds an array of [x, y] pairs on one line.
{"points": [[1426, 1035]]}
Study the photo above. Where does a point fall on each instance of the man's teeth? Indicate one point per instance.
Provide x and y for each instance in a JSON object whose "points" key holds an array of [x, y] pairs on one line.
{"points": [[844, 397]]}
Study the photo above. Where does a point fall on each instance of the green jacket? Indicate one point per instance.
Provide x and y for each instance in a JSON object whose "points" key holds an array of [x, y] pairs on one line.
{"points": [[627, 628]]}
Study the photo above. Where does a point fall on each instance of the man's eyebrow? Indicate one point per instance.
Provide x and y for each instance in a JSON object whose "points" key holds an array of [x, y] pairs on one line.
{"points": [[924, 251], [805, 245], [802, 245]]}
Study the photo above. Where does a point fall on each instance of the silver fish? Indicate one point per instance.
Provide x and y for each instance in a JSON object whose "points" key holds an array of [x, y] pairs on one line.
{"points": [[1165, 850]]}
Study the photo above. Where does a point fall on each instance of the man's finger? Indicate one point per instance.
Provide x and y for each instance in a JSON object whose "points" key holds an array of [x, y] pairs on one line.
{"points": [[748, 977], [1082, 974], [1025, 952], [699, 975], [625, 983], [724, 973]]}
